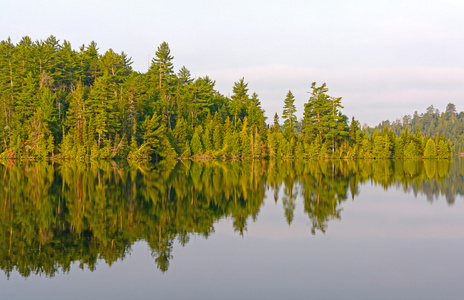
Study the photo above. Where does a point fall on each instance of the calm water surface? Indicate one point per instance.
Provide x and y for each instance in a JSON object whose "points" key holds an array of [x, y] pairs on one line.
{"points": [[320, 230]]}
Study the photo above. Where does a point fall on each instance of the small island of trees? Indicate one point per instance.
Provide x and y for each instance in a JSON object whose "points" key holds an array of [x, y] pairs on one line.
{"points": [[59, 103]]}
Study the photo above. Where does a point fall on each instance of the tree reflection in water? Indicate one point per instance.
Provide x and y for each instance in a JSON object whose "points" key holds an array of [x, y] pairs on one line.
{"points": [[53, 215]]}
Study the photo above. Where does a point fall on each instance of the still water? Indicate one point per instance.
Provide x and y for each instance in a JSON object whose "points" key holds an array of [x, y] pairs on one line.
{"points": [[320, 230]]}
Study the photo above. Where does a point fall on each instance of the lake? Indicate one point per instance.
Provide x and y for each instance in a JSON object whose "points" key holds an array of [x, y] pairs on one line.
{"points": [[227, 230]]}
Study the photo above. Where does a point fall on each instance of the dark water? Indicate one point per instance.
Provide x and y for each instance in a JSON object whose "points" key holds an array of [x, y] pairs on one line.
{"points": [[320, 230]]}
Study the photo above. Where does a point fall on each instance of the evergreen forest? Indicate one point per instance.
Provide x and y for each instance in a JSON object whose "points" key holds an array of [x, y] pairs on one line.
{"points": [[449, 124], [81, 105]]}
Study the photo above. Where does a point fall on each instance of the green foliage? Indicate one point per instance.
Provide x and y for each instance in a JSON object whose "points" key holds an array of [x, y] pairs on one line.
{"points": [[430, 149], [57, 102], [288, 115], [161, 66], [195, 144], [449, 124], [239, 100], [323, 118], [412, 150], [444, 149]]}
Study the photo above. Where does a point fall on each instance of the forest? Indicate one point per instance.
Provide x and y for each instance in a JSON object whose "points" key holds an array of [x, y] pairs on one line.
{"points": [[449, 124], [80, 105]]}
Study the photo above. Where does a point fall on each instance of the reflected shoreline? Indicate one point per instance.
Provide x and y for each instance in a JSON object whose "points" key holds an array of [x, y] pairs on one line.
{"points": [[55, 214]]}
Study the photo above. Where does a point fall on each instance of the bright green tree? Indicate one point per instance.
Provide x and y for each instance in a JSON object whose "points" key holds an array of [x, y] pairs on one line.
{"points": [[195, 144], [430, 149]]}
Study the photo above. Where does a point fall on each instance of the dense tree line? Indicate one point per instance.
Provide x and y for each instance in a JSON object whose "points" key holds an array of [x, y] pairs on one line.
{"points": [[54, 215], [449, 124], [56, 102]]}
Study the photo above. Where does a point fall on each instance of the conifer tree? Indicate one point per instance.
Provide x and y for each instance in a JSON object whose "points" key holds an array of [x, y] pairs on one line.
{"points": [[239, 100], [155, 140], [181, 134], [228, 137], [161, 66], [444, 150], [184, 76], [24, 56], [7, 93], [113, 64], [430, 149], [276, 125], [75, 122], [67, 67], [338, 128], [245, 143], [316, 109], [195, 144], [102, 107], [202, 95], [186, 150], [288, 115], [354, 128], [83, 105], [217, 132], [89, 61]]}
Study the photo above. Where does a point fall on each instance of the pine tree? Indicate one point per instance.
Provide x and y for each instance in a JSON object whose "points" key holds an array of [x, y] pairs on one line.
{"points": [[92, 106], [155, 139], [67, 67], [181, 134], [184, 76], [218, 133], [161, 66], [288, 115], [202, 95], [76, 119], [276, 125], [255, 114], [381, 147], [24, 56], [239, 100], [245, 142], [7, 94], [112, 64], [103, 110], [354, 128], [90, 63], [316, 109], [337, 123], [228, 137]]}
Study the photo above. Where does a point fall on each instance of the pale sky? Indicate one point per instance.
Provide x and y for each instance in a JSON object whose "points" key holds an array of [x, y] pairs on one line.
{"points": [[385, 58]]}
